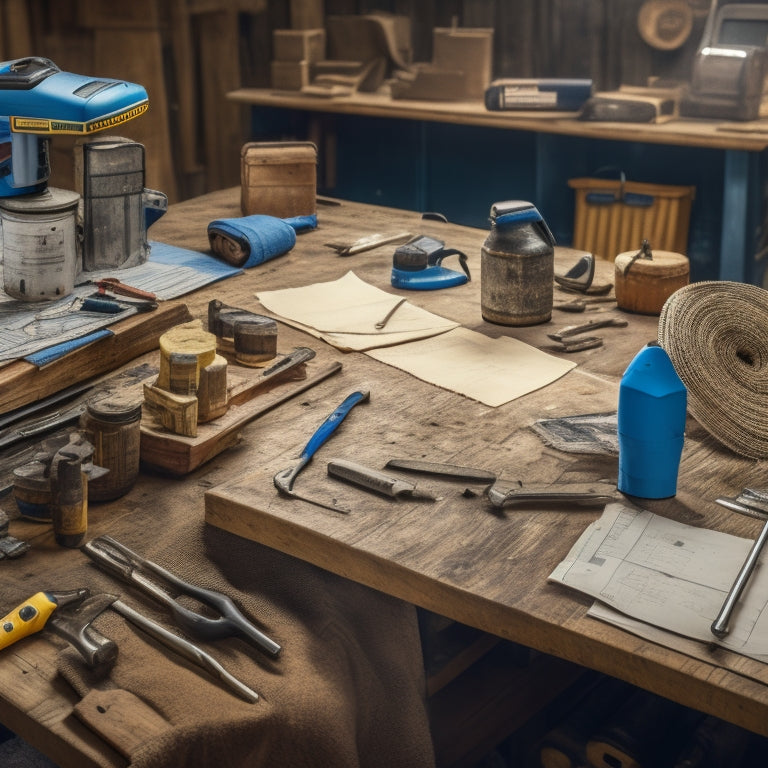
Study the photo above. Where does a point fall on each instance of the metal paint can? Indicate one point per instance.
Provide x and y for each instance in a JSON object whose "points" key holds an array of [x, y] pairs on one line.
{"points": [[517, 266], [39, 237]]}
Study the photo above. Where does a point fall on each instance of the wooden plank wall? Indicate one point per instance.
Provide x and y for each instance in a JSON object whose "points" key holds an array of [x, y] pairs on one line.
{"points": [[189, 53]]}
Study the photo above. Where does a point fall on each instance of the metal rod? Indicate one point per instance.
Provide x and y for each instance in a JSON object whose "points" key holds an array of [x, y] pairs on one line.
{"points": [[186, 649], [389, 314], [720, 624]]}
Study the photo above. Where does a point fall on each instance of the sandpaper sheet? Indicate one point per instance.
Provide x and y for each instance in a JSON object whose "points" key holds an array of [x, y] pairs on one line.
{"points": [[492, 371], [344, 313]]}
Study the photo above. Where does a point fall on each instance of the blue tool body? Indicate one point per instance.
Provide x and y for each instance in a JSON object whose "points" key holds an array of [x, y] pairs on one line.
{"points": [[38, 100], [417, 265], [428, 279], [651, 425]]}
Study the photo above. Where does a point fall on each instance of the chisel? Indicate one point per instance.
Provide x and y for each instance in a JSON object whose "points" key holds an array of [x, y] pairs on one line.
{"points": [[449, 471], [373, 480]]}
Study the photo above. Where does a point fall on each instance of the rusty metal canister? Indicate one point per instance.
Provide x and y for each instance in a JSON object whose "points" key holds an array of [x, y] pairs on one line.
{"points": [[113, 425], [517, 266]]}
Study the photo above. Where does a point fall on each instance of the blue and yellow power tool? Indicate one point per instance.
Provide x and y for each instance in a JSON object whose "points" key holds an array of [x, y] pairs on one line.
{"points": [[38, 100]]}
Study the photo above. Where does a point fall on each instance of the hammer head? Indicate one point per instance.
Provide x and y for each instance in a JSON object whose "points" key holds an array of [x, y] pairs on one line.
{"points": [[71, 621]]}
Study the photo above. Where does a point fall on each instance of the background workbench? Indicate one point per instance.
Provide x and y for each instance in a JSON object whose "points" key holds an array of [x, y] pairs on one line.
{"points": [[456, 558], [404, 153]]}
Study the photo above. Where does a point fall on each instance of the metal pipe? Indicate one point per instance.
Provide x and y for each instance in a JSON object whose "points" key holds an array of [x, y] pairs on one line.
{"points": [[720, 624]]}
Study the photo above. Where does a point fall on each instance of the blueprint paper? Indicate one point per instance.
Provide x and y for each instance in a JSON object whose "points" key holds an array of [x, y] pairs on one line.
{"points": [[669, 575], [28, 327]]}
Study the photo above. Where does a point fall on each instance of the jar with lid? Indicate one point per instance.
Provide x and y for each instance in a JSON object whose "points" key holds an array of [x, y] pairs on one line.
{"points": [[113, 425], [517, 266]]}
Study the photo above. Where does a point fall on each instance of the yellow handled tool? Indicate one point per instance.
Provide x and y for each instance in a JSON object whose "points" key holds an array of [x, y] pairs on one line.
{"points": [[67, 614], [30, 617]]}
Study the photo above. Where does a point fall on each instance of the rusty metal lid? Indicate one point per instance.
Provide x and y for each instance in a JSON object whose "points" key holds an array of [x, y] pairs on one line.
{"points": [[49, 201]]}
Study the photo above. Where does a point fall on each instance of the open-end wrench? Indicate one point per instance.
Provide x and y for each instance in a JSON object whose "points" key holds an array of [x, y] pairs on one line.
{"points": [[285, 479]]}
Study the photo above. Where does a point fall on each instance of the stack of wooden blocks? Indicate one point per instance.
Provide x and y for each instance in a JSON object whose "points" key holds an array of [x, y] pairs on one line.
{"points": [[296, 51]]}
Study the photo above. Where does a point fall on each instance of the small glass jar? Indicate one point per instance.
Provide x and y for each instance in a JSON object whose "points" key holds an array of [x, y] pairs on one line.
{"points": [[113, 426]]}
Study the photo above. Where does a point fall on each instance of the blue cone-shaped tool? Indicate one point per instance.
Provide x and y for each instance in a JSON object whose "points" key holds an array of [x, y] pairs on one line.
{"points": [[651, 425]]}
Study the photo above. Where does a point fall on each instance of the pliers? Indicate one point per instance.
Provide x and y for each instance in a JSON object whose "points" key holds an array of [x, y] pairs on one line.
{"points": [[133, 569]]}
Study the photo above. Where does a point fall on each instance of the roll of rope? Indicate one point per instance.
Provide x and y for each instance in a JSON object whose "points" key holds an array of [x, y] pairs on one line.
{"points": [[716, 334]]}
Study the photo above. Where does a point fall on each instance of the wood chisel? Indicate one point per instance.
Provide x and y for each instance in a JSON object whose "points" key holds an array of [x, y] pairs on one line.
{"points": [[373, 480], [448, 471]]}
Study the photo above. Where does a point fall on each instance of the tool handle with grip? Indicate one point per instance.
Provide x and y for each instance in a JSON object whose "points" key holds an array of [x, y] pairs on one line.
{"points": [[26, 619], [329, 426], [370, 479]]}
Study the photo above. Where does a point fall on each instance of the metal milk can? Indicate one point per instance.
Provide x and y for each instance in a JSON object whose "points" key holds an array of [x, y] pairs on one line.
{"points": [[517, 266]]}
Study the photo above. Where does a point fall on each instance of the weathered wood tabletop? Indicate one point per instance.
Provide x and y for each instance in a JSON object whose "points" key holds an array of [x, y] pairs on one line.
{"points": [[453, 556], [457, 557]]}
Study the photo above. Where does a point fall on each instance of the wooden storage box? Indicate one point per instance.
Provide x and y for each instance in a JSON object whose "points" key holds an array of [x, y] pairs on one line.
{"points": [[278, 178], [613, 216]]}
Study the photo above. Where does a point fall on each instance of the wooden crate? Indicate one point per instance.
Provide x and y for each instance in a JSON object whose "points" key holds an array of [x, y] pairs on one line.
{"points": [[613, 216], [278, 178]]}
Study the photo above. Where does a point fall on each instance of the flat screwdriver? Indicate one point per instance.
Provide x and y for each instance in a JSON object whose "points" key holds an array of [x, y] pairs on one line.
{"points": [[374, 480]]}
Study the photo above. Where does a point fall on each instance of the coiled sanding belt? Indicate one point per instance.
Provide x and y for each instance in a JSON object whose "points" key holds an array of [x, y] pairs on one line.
{"points": [[716, 334]]}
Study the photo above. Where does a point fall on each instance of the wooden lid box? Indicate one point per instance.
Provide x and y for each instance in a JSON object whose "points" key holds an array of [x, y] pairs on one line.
{"points": [[278, 178]]}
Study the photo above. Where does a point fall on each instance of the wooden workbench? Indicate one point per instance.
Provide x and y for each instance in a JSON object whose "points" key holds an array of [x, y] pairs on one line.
{"points": [[454, 557]]}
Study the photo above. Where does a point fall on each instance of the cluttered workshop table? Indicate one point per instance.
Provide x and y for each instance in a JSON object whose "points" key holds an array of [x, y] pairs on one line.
{"points": [[330, 571]]}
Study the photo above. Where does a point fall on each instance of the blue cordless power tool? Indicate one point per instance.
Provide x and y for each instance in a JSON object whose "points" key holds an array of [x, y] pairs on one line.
{"points": [[38, 100], [417, 265]]}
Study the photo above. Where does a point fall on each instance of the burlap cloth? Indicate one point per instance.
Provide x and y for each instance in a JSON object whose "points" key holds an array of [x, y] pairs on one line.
{"points": [[348, 689], [716, 334]]}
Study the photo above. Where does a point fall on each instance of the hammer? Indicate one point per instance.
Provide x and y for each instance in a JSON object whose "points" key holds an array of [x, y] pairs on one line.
{"points": [[67, 614], [284, 479]]}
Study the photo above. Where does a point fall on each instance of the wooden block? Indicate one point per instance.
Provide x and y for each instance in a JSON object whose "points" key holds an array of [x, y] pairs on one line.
{"points": [[290, 75], [307, 14], [121, 718], [255, 340], [212, 393], [298, 45], [180, 454], [468, 49], [184, 350], [178, 413]]}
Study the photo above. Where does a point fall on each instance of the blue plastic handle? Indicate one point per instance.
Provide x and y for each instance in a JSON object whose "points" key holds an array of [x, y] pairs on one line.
{"points": [[329, 426]]}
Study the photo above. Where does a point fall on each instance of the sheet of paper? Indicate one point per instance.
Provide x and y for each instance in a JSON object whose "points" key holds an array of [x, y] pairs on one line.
{"points": [[706, 651], [344, 313], [492, 371], [670, 575]]}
